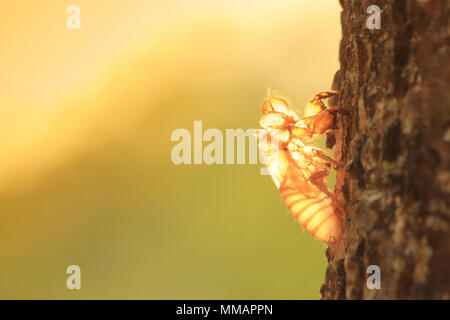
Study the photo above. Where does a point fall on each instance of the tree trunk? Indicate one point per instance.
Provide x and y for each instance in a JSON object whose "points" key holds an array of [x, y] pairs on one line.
{"points": [[395, 142]]}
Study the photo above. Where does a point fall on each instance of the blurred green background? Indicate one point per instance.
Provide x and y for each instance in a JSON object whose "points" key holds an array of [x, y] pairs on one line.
{"points": [[85, 171]]}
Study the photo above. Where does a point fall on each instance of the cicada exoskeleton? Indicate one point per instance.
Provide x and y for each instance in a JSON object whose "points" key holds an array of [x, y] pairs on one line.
{"points": [[298, 170]]}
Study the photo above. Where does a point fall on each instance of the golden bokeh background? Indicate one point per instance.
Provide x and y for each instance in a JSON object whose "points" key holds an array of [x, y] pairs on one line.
{"points": [[85, 171]]}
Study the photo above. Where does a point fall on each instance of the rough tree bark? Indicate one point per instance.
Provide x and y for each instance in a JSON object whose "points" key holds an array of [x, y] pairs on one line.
{"points": [[394, 83]]}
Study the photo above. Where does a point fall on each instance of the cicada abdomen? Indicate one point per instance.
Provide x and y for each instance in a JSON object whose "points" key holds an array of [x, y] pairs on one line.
{"points": [[311, 207], [298, 171]]}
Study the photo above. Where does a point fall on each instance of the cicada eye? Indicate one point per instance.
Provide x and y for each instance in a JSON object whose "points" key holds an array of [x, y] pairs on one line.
{"points": [[313, 108], [272, 120]]}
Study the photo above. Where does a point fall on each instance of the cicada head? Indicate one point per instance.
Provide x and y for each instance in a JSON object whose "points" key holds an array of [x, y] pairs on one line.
{"points": [[315, 105], [313, 108]]}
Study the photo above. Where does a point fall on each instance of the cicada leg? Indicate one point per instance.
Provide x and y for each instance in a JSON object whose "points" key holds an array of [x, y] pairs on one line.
{"points": [[317, 179], [324, 95], [322, 155]]}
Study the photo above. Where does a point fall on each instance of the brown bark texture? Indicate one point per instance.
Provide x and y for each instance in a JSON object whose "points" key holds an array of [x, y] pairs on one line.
{"points": [[395, 143]]}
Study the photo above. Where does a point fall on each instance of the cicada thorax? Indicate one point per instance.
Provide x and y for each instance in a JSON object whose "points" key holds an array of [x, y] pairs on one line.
{"points": [[318, 119], [278, 115]]}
